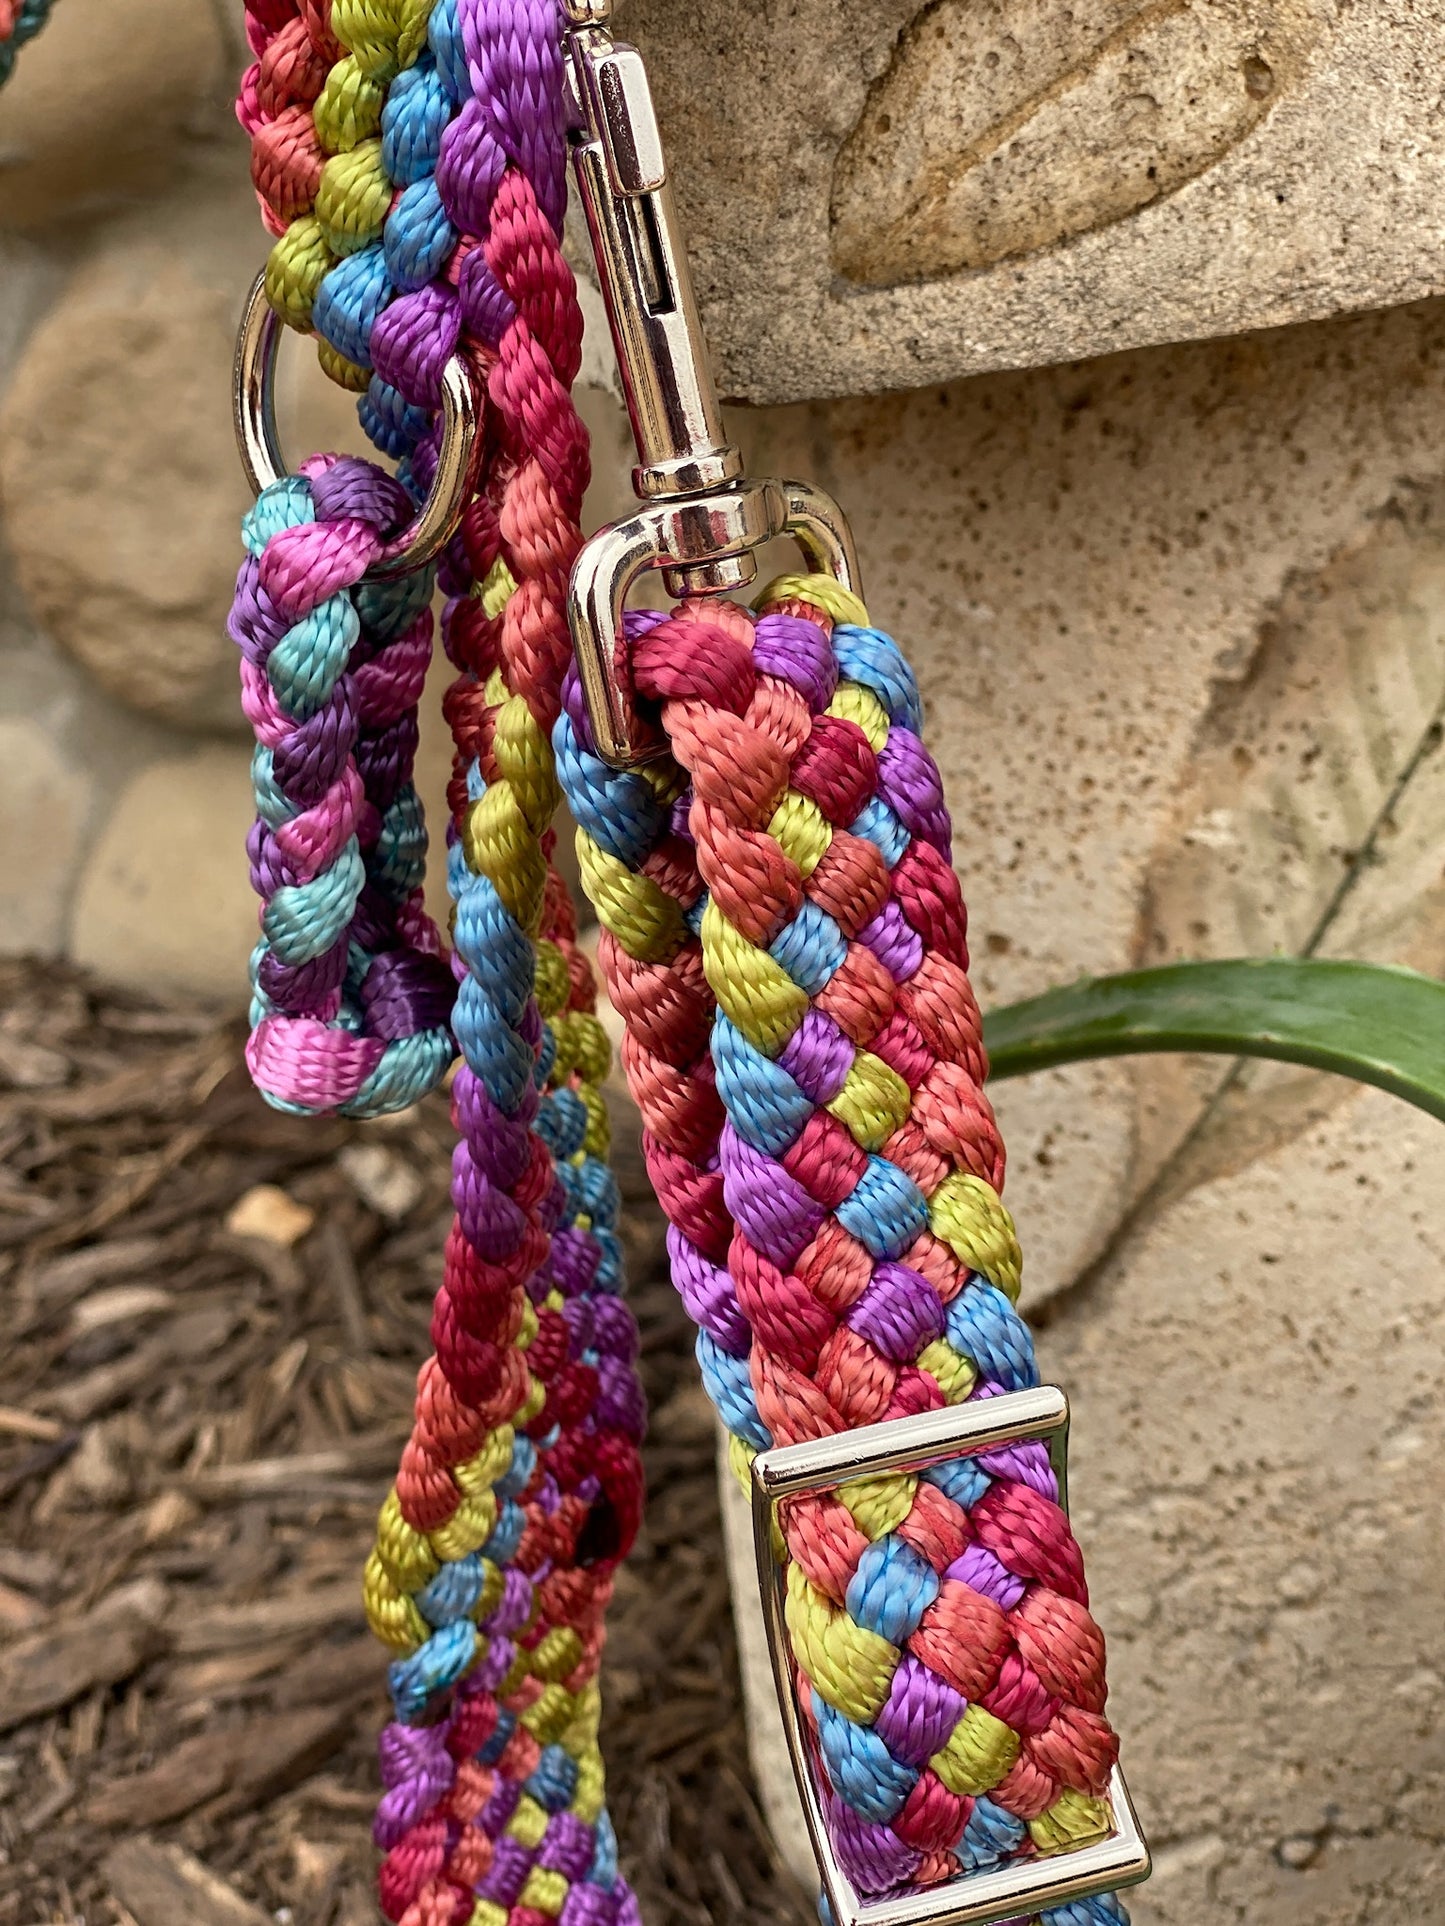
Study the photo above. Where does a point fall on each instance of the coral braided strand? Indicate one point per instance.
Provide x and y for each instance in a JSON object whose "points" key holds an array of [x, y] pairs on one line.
{"points": [[521, 1487]]}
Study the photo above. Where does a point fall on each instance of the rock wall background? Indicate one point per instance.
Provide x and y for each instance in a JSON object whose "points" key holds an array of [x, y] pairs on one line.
{"points": [[1179, 616]]}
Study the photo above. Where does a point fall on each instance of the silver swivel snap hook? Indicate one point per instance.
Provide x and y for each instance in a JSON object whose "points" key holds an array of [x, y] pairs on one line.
{"points": [[702, 518]]}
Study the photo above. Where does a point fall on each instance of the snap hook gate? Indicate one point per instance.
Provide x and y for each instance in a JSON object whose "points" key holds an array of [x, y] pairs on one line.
{"points": [[702, 518]]}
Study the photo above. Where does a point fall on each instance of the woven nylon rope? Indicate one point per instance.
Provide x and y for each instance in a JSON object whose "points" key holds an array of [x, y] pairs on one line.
{"points": [[409, 223], [786, 941]]}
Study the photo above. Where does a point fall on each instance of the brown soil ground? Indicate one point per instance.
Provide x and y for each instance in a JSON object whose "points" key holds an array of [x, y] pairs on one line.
{"points": [[198, 1420]]}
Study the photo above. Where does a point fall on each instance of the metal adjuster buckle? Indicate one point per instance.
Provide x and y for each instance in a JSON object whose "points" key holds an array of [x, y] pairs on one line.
{"points": [[1029, 1885]]}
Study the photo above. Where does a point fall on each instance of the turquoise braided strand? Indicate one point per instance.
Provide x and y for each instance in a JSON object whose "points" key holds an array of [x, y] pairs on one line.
{"points": [[351, 995]]}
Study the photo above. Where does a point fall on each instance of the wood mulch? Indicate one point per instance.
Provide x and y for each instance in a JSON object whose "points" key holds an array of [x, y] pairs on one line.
{"points": [[211, 1318]]}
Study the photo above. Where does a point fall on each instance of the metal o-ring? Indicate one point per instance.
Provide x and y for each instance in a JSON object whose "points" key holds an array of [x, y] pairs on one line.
{"points": [[254, 413]]}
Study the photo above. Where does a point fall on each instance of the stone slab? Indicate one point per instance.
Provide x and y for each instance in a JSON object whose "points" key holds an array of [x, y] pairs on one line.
{"points": [[43, 802], [1251, 1450], [882, 193], [110, 101], [164, 905]]}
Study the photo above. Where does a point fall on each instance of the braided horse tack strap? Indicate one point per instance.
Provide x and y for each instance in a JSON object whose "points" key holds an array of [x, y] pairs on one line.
{"points": [[786, 939], [351, 996], [786, 942]]}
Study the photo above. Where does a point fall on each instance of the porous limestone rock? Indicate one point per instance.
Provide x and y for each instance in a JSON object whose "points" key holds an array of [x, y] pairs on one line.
{"points": [[110, 100], [1257, 1394], [164, 904], [882, 193], [1310, 816], [122, 491]]}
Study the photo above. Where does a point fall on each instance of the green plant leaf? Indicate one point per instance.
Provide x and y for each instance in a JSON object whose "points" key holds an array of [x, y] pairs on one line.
{"points": [[1369, 1021]]}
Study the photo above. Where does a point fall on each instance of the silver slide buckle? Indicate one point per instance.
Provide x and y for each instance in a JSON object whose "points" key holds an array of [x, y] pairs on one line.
{"points": [[1029, 1885]]}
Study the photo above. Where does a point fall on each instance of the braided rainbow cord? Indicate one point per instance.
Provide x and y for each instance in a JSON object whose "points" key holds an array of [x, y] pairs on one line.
{"points": [[495, 1811], [786, 940], [20, 20], [324, 170], [380, 137], [351, 995], [521, 1485]]}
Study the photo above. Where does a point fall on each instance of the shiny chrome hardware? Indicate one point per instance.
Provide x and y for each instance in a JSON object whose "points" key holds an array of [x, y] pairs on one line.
{"points": [[253, 403], [1029, 1886], [701, 519]]}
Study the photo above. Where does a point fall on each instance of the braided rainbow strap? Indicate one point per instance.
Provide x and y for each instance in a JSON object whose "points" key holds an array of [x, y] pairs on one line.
{"points": [[521, 1486], [20, 20], [351, 995], [786, 940]]}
